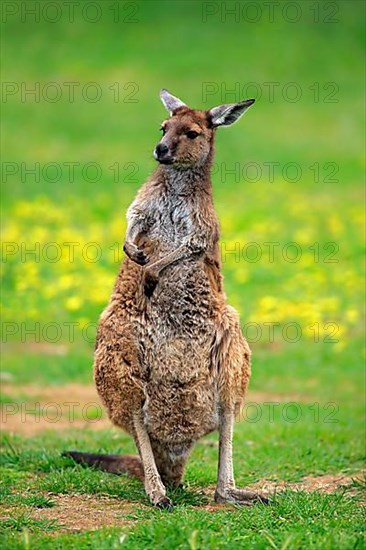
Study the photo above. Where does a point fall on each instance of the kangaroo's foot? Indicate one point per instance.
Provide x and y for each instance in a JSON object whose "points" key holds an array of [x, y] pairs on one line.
{"points": [[164, 504], [157, 495], [239, 496], [225, 489]]}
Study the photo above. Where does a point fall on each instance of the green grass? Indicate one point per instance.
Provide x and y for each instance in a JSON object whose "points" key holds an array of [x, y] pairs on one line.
{"points": [[293, 516], [50, 309], [34, 468]]}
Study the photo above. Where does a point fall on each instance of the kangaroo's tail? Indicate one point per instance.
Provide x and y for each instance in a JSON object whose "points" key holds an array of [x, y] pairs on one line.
{"points": [[114, 464]]}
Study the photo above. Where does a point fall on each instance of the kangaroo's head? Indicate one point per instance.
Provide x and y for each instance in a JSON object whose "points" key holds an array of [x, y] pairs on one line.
{"points": [[188, 134]]}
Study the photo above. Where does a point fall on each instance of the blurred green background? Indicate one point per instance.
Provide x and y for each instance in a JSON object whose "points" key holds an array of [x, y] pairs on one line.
{"points": [[290, 171]]}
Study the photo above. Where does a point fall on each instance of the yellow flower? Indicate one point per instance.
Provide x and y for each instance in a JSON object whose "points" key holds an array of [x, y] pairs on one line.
{"points": [[73, 303], [66, 281], [241, 275], [304, 236], [335, 225], [352, 315], [83, 322], [268, 303]]}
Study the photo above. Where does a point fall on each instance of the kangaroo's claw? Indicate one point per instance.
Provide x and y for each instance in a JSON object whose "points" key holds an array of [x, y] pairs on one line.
{"points": [[165, 504]]}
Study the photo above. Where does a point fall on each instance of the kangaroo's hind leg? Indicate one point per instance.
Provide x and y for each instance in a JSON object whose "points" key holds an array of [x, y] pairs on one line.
{"points": [[153, 484], [225, 489], [119, 376], [231, 361]]}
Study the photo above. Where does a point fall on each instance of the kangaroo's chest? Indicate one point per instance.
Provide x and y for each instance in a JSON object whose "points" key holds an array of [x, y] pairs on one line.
{"points": [[173, 221]]}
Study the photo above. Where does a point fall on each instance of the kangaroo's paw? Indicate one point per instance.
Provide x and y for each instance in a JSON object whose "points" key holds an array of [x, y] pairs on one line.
{"points": [[135, 254], [164, 504], [150, 281], [240, 496]]}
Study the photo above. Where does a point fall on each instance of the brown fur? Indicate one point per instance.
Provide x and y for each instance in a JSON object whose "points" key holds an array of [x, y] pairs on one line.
{"points": [[171, 364]]}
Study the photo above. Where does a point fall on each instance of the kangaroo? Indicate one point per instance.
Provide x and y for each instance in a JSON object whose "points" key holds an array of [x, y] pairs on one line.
{"points": [[171, 364]]}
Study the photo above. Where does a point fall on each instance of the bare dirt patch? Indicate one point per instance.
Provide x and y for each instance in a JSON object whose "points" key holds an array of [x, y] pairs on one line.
{"points": [[33, 426], [82, 392], [36, 348], [67, 406], [51, 408], [84, 513], [75, 513], [276, 397], [325, 484]]}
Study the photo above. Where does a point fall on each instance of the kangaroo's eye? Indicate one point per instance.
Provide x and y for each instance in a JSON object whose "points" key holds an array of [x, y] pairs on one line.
{"points": [[191, 134]]}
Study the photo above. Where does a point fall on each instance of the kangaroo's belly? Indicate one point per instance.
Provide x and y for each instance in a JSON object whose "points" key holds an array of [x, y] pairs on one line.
{"points": [[180, 393], [177, 415]]}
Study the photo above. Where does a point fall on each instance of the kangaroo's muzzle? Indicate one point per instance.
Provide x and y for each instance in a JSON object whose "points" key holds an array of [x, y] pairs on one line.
{"points": [[162, 154]]}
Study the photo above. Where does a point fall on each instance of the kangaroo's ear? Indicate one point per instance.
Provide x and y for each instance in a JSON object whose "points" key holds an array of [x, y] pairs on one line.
{"points": [[224, 115], [170, 102]]}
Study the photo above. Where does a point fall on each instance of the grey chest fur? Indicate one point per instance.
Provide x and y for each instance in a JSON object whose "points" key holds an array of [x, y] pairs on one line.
{"points": [[171, 220]]}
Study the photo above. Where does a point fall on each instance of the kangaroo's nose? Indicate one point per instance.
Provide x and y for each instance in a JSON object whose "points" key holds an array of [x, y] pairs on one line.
{"points": [[161, 150], [163, 154]]}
